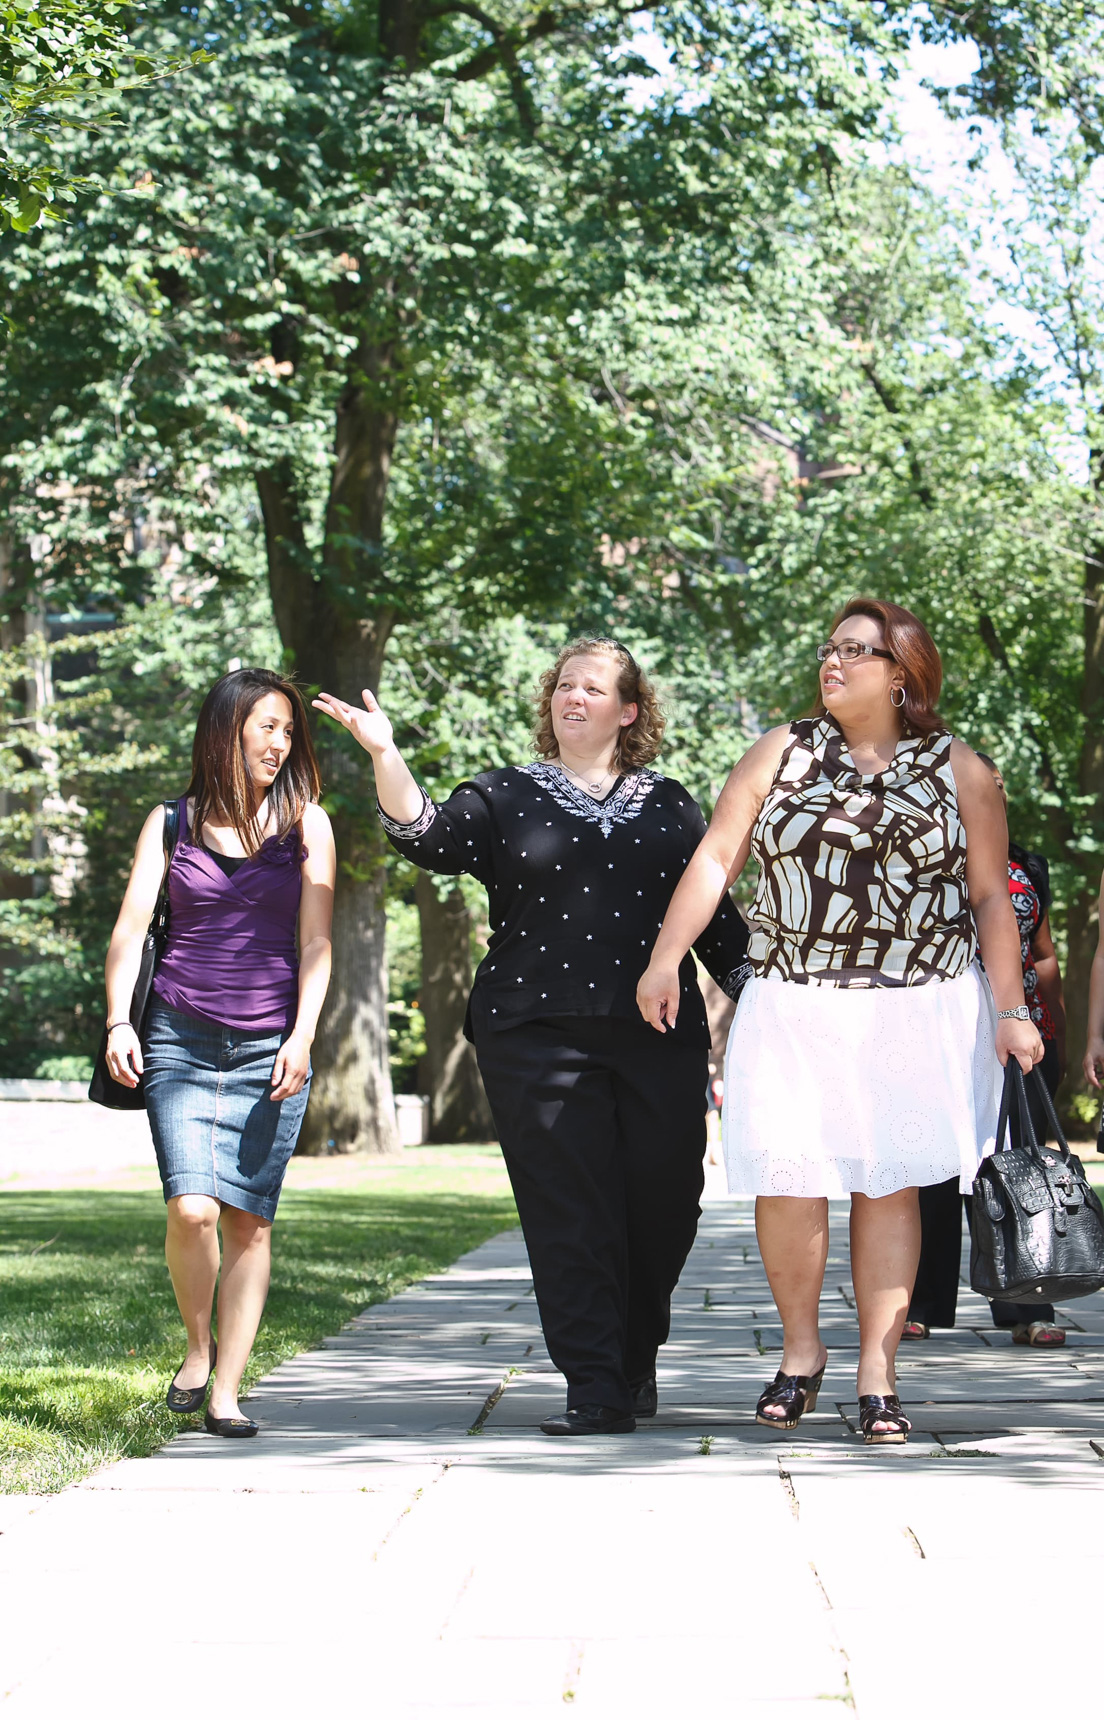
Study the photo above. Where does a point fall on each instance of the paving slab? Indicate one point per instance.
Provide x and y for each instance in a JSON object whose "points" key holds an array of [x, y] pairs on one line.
{"points": [[401, 1541]]}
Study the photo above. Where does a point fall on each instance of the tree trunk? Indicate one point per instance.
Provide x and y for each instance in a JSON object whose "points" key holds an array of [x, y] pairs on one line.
{"points": [[1068, 830], [1082, 915], [458, 1105], [1081, 930], [12, 632], [352, 1107]]}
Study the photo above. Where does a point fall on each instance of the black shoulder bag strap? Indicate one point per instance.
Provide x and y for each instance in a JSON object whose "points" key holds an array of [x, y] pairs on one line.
{"points": [[159, 924]]}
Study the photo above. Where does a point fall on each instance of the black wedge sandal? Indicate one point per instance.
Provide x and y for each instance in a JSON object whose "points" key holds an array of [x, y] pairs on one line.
{"points": [[795, 1392], [872, 1409]]}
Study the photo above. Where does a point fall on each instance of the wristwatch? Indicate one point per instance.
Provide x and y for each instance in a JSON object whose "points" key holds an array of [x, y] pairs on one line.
{"points": [[1020, 1013]]}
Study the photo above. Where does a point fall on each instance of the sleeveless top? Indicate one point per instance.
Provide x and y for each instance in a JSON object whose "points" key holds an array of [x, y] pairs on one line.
{"points": [[1029, 887], [862, 878], [231, 955]]}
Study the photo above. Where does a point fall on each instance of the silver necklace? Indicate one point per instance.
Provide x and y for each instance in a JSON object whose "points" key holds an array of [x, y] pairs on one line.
{"points": [[591, 787]]}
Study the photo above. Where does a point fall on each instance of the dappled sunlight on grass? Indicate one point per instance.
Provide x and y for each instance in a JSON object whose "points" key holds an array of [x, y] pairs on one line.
{"points": [[91, 1334]]}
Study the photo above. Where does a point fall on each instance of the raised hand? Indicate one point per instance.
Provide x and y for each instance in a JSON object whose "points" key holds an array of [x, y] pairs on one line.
{"points": [[369, 726], [399, 795]]}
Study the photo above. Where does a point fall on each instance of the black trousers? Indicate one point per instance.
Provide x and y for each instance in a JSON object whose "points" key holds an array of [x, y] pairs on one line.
{"points": [[935, 1296], [602, 1126]]}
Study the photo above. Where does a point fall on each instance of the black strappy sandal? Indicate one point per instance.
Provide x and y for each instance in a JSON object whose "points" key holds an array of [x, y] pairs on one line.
{"points": [[872, 1409], [795, 1392]]}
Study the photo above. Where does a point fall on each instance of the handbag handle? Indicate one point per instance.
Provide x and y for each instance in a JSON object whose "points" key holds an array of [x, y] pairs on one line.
{"points": [[1050, 1113], [1014, 1089], [1015, 1086]]}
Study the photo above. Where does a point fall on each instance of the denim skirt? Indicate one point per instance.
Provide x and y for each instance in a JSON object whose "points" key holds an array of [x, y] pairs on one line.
{"points": [[215, 1129]]}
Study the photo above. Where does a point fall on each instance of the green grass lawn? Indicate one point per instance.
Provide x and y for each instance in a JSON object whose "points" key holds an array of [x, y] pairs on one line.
{"points": [[90, 1335]]}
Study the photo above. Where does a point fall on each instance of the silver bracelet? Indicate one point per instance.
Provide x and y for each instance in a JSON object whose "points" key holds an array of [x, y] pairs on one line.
{"points": [[1020, 1013]]}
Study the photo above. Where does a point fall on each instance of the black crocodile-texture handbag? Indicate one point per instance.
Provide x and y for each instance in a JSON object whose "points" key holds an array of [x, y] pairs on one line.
{"points": [[1038, 1231], [103, 1089]]}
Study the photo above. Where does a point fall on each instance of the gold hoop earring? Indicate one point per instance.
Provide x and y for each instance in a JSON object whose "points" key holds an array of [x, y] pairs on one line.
{"points": [[897, 703]]}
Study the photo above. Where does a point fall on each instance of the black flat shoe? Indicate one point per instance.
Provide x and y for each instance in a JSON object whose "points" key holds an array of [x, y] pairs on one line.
{"points": [[873, 1408], [188, 1401], [795, 1393], [230, 1426], [590, 1418], [645, 1399]]}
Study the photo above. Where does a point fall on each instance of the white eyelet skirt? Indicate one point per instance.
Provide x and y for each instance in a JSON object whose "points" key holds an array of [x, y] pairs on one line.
{"points": [[836, 1090]]}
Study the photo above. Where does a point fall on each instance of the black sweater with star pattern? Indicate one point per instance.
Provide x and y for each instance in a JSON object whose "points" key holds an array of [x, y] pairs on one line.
{"points": [[577, 890]]}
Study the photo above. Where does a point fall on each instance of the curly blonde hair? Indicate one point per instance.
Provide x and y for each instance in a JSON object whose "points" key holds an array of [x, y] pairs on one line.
{"points": [[640, 740]]}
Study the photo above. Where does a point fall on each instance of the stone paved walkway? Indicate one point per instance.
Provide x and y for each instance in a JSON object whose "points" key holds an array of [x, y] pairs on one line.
{"points": [[401, 1542]]}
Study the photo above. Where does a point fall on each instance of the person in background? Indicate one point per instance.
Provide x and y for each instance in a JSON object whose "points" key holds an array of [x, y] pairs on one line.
{"points": [[235, 1005], [935, 1294], [863, 1056], [1093, 1062], [602, 1130], [714, 1099]]}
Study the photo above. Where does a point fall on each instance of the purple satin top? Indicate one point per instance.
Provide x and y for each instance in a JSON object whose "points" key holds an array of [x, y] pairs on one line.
{"points": [[231, 955]]}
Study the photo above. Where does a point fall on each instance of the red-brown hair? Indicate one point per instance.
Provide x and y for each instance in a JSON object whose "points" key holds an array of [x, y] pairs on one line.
{"points": [[220, 779], [914, 651]]}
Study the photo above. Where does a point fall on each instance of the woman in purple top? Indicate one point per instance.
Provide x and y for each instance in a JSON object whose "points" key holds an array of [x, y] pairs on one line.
{"points": [[226, 1057]]}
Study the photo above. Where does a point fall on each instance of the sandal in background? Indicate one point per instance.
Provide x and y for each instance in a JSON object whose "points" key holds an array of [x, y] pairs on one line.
{"points": [[1040, 1334]]}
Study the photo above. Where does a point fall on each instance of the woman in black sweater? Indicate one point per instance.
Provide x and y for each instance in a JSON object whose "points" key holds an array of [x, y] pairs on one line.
{"points": [[601, 1126]]}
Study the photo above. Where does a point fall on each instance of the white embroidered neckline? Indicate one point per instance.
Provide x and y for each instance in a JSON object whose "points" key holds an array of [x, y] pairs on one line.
{"points": [[621, 804]]}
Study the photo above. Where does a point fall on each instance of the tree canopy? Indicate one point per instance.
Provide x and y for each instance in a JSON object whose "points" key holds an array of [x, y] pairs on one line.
{"points": [[446, 321], [59, 59]]}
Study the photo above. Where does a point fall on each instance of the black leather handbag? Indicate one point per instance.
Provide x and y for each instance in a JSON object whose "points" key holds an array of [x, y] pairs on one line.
{"points": [[102, 1089], [1038, 1230]]}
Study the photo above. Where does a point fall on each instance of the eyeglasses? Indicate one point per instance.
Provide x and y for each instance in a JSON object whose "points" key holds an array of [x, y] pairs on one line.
{"points": [[850, 650]]}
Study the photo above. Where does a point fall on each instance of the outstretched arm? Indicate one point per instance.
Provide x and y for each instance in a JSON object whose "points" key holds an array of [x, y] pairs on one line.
{"points": [[450, 838], [397, 792], [720, 858]]}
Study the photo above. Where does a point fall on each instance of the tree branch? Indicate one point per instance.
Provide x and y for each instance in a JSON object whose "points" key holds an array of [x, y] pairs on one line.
{"points": [[505, 43], [889, 401]]}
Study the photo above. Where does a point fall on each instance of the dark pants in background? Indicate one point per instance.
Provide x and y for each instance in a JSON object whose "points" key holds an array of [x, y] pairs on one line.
{"points": [[602, 1127], [935, 1296]]}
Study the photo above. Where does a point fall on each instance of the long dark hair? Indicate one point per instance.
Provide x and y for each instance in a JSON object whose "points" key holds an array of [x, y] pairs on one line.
{"points": [[220, 781]]}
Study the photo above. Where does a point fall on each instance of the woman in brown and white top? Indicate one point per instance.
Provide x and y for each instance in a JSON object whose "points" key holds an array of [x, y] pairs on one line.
{"points": [[861, 1057]]}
